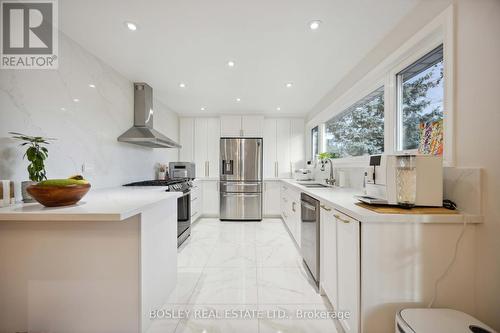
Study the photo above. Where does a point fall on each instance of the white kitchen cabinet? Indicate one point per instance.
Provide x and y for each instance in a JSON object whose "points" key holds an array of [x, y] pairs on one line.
{"points": [[269, 150], [348, 270], [283, 147], [200, 146], [230, 126], [374, 269], [206, 147], [186, 139], [249, 126], [290, 210], [210, 190], [328, 256], [196, 200], [297, 143], [272, 198], [213, 147]]}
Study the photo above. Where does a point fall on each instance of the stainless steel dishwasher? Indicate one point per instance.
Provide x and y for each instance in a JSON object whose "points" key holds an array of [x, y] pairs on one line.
{"points": [[309, 227]]}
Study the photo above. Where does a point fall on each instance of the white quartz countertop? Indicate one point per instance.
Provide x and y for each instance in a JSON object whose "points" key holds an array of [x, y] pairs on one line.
{"points": [[111, 204], [343, 200]]}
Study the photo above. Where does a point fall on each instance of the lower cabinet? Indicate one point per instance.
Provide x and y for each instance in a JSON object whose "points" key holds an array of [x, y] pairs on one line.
{"points": [[196, 200], [271, 199], [340, 264], [290, 210], [348, 270], [373, 269], [210, 204], [328, 255]]}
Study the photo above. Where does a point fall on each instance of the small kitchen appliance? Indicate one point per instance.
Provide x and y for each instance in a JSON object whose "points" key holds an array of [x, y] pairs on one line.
{"points": [[406, 180], [183, 203], [303, 174], [310, 234], [182, 170]]}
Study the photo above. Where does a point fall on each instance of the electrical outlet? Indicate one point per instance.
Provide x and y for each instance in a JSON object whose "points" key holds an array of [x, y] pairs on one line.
{"points": [[88, 168]]}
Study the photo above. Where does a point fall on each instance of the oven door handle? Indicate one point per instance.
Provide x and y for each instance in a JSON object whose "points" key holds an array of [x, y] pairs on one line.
{"points": [[185, 194]]}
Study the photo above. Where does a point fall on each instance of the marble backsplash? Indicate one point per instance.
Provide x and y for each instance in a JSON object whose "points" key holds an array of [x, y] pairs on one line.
{"points": [[85, 120]]}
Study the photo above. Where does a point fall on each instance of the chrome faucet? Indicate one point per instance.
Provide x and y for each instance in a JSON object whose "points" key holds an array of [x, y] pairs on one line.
{"points": [[331, 180]]}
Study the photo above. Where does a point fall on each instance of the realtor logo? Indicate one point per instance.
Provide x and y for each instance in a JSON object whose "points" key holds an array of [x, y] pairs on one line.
{"points": [[29, 34]]}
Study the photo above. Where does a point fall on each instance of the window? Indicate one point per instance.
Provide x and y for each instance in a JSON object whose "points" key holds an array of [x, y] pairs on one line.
{"points": [[420, 98], [359, 130], [314, 143]]}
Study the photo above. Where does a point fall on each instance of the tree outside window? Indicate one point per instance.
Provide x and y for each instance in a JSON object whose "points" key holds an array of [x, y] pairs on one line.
{"points": [[421, 93], [360, 129]]}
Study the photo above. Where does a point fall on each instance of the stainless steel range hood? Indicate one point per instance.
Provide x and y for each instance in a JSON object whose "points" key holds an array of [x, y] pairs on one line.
{"points": [[143, 133]]}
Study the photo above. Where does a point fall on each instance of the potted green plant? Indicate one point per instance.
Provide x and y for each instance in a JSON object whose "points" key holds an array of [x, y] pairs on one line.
{"points": [[36, 153]]}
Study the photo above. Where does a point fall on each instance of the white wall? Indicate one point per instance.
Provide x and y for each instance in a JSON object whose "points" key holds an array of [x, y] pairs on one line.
{"points": [[87, 131], [477, 117], [478, 135]]}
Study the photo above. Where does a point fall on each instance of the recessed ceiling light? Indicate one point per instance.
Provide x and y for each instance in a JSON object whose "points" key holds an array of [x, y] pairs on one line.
{"points": [[182, 85], [230, 63], [314, 25], [238, 99], [278, 108], [289, 84], [76, 100], [63, 109], [91, 85], [131, 26], [203, 108]]}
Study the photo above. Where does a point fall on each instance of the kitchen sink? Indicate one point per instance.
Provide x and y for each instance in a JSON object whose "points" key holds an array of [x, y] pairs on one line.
{"points": [[312, 185]]}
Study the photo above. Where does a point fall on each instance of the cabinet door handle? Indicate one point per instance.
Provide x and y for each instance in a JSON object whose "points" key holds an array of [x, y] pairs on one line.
{"points": [[293, 206], [208, 168], [327, 209], [341, 219]]}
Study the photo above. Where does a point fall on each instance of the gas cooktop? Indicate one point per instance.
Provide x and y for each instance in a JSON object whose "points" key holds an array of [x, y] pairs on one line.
{"points": [[173, 185]]}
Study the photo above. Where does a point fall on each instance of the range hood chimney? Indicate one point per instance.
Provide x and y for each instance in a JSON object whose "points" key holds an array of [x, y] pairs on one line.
{"points": [[143, 133]]}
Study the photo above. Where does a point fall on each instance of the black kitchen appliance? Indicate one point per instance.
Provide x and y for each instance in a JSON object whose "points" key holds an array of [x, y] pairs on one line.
{"points": [[183, 203]]}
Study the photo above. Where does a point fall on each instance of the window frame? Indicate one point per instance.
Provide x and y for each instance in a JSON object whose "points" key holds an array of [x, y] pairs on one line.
{"points": [[318, 145], [438, 31], [422, 52], [351, 108]]}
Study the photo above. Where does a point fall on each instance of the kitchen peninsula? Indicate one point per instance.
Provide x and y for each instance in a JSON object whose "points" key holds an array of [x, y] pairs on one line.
{"points": [[97, 266]]}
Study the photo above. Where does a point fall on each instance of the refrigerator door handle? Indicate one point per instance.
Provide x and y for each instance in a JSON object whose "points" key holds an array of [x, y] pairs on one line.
{"points": [[247, 195]]}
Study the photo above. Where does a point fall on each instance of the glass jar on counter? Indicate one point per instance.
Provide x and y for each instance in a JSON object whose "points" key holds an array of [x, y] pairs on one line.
{"points": [[406, 181]]}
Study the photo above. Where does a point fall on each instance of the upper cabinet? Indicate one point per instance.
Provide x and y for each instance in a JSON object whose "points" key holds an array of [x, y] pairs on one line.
{"points": [[241, 126], [283, 142], [200, 138], [283, 147], [186, 139]]}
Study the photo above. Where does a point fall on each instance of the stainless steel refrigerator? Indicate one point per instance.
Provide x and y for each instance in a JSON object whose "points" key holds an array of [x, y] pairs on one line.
{"points": [[241, 179]]}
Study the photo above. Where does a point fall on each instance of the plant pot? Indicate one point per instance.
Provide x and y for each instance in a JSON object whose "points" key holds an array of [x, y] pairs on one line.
{"points": [[161, 175], [27, 198]]}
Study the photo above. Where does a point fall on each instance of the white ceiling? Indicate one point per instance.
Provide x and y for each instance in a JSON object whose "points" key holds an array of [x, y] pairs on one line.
{"points": [[269, 40]]}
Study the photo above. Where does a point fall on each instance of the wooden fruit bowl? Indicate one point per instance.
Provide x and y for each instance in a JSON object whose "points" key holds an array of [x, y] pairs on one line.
{"points": [[57, 196]]}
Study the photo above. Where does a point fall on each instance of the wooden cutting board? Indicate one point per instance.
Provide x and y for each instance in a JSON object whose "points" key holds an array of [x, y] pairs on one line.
{"points": [[386, 209]]}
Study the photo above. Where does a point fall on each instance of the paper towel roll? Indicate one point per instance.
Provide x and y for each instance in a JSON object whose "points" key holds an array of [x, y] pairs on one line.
{"points": [[6, 193]]}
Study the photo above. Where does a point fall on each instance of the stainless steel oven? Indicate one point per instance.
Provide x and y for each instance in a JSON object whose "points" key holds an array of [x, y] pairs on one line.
{"points": [[183, 203], [309, 234], [183, 217]]}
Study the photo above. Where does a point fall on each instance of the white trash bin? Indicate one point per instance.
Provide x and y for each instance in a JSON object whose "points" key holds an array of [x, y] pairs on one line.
{"points": [[438, 321]]}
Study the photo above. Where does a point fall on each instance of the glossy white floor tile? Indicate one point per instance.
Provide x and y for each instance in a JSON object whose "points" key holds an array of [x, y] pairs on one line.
{"points": [[242, 277]]}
